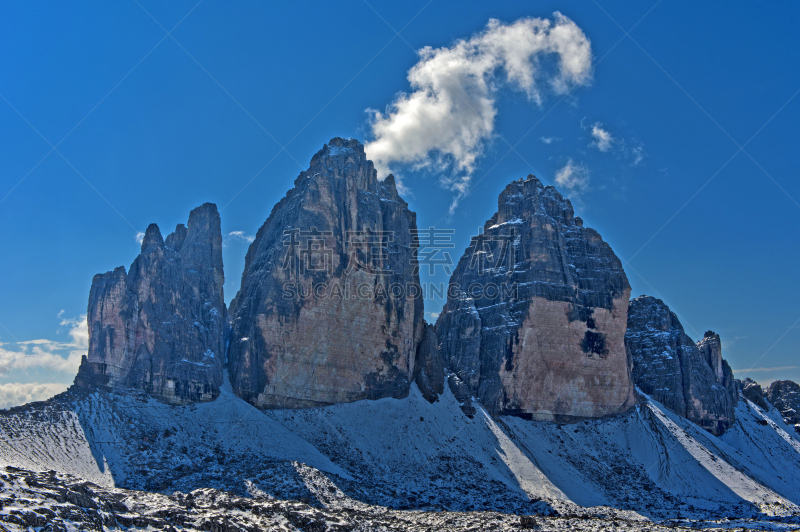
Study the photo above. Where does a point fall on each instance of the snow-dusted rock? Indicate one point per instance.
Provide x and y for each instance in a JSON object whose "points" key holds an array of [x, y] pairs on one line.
{"points": [[330, 309], [752, 391], [785, 396], [691, 379], [535, 318], [161, 326]]}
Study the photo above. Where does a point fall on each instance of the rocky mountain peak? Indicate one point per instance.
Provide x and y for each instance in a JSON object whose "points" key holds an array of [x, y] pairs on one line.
{"points": [[693, 380], [785, 396], [711, 347], [152, 239], [753, 392], [314, 322], [536, 311], [162, 326], [527, 197]]}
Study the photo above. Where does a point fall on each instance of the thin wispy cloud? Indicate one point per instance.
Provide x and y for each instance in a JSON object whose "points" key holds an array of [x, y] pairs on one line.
{"points": [[627, 149], [447, 119], [139, 237], [573, 178], [549, 140], [603, 140], [765, 370], [239, 236]]}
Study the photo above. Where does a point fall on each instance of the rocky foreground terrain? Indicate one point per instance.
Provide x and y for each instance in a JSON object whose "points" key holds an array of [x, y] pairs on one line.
{"points": [[399, 463], [49, 501]]}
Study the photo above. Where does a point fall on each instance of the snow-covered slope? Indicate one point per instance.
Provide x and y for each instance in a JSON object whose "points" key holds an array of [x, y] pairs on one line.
{"points": [[412, 454]]}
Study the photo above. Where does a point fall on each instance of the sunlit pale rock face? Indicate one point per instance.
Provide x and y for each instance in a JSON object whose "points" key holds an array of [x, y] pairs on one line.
{"points": [[161, 326], [692, 380], [329, 309], [535, 319]]}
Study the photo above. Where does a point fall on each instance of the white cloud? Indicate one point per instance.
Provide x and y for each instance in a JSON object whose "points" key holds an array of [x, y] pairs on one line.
{"points": [[78, 330], [240, 236], [139, 237], [54, 357], [637, 153], [549, 140], [432, 315], [446, 120], [58, 359], [573, 177], [19, 393], [602, 138]]}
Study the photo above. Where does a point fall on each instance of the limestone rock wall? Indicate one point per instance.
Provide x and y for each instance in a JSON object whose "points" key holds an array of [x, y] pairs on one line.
{"points": [[161, 327], [329, 309], [535, 319], [690, 379]]}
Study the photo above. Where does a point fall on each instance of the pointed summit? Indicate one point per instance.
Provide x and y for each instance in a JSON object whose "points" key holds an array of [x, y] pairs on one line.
{"points": [[152, 239]]}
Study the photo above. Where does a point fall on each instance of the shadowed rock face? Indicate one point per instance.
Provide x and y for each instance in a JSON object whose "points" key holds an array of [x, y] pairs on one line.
{"points": [[690, 379], [161, 327], [329, 309], [753, 392], [535, 319], [785, 396], [429, 367]]}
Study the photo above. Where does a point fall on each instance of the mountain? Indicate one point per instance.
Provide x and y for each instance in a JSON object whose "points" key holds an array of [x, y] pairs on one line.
{"points": [[690, 379], [330, 307], [752, 391], [324, 402], [535, 317], [785, 396], [161, 326]]}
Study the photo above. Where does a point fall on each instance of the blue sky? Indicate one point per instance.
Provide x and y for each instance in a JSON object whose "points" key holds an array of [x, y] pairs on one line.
{"points": [[696, 182]]}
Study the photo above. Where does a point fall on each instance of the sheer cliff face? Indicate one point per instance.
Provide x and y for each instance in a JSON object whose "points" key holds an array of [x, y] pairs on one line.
{"points": [[535, 319], [161, 326], [329, 309], [691, 379]]}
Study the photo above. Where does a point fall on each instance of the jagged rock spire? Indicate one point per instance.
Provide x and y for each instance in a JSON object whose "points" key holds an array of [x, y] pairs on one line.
{"points": [[692, 380], [161, 326]]}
